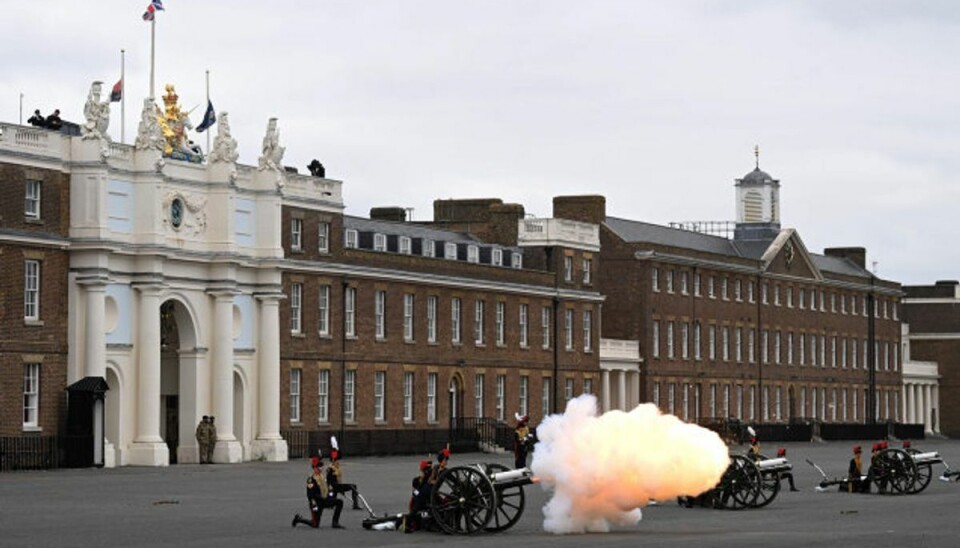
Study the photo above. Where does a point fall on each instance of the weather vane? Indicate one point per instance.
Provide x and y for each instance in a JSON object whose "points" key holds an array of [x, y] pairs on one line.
{"points": [[756, 152]]}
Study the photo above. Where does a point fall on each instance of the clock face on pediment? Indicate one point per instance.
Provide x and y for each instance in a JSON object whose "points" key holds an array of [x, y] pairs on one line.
{"points": [[176, 213], [184, 213]]}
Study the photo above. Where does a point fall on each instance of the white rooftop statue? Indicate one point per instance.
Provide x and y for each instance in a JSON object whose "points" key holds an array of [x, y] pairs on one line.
{"points": [[272, 153], [97, 114]]}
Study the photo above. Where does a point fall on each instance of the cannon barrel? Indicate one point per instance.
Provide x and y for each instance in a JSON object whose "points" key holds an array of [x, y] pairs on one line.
{"points": [[779, 464], [512, 478], [931, 457]]}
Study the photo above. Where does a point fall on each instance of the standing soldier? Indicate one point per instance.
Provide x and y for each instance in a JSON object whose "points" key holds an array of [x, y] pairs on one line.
{"points": [[855, 474], [212, 428], [754, 452], [521, 442], [203, 439], [335, 475]]}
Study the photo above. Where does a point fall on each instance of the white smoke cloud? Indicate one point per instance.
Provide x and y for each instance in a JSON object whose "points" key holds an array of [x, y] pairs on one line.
{"points": [[603, 469]]}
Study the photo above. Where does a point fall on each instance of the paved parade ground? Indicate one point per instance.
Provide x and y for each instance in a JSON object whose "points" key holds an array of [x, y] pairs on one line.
{"points": [[251, 505]]}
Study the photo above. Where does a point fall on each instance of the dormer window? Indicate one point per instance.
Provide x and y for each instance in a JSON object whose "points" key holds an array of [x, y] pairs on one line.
{"points": [[450, 251], [473, 254], [379, 242], [516, 260], [350, 238], [404, 245], [496, 257], [428, 248]]}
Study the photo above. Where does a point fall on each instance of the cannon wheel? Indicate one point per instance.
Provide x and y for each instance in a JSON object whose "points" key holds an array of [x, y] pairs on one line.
{"points": [[924, 475], [740, 484], [462, 501], [768, 489], [510, 502], [897, 468]]}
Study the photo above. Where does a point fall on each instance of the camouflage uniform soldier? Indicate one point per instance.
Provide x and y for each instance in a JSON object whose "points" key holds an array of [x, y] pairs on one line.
{"points": [[212, 428], [203, 439]]}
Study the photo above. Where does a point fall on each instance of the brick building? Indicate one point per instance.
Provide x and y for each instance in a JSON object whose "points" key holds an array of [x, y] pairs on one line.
{"points": [[34, 223], [754, 326], [933, 313], [393, 328]]}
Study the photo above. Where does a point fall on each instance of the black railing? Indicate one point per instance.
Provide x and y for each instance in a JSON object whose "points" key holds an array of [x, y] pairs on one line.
{"points": [[476, 432], [29, 453]]}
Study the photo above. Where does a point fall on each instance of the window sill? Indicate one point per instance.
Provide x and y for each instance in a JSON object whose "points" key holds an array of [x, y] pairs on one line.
{"points": [[327, 336], [352, 338], [380, 339], [409, 422], [298, 334], [32, 428], [409, 341], [33, 323], [479, 345], [323, 423], [33, 221], [296, 424], [297, 250], [380, 422]]}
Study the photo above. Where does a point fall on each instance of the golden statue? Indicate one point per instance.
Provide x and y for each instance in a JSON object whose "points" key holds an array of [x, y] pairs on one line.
{"points": [[174, 124]]}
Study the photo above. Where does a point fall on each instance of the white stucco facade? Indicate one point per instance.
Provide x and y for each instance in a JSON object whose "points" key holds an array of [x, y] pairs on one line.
{"points": [[920, 399], [620, 371], [213, 266]]}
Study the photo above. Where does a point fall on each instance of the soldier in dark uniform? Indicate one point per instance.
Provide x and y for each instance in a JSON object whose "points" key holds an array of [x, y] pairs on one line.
{"points": [[521, 442], [855, 484], [754, 451], [335, 474], [53, 121], [782, 453], [442, 459], [37, 119], [319, 497], [420, 499]]}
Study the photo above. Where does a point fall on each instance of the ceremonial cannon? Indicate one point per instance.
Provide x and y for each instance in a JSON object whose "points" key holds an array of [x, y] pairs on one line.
{"points": [[892, 472], [470, 499], [745, 484]]}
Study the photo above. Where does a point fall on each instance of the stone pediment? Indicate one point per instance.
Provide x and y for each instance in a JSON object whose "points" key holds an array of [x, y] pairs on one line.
{"points": [[789, 256]]}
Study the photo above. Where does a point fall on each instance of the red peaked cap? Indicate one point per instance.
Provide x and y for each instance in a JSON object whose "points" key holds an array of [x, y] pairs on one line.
{"points": [[314, 461], [424, 464], [876, 447], [334, 455], [443, 455], [781, 452], [883, 445], [856, 449]]}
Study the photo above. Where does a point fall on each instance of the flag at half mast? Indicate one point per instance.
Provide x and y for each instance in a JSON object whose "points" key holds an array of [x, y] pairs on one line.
{"points": [[116, 93], [209, 118]]}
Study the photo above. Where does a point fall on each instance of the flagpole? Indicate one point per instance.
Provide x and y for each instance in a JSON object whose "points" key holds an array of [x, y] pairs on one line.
{"points": [[153, 28], [123, 99], [208, 105]]}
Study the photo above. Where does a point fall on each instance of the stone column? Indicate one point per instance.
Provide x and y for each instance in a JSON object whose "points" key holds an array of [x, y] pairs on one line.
{"points": [[918, 403], [622, 390], [94, 342], [927, 406], [269, 445], [605, 389], [634, 389], [148, 448], [935, 391], [227, 449], [904, 416]]}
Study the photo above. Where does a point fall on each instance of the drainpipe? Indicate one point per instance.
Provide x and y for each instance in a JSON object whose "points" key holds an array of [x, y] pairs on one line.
{"points": [[343, 359]]}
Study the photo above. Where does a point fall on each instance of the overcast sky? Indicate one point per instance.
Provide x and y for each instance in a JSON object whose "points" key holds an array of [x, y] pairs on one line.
{"points": [[655, 105]]}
